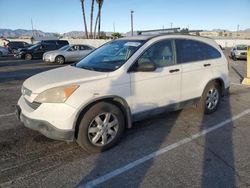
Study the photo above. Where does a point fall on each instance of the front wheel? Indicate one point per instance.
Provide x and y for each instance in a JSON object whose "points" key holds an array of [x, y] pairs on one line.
{"points": [[210, 98], [60, 60], [101, 127], [28, 57]]}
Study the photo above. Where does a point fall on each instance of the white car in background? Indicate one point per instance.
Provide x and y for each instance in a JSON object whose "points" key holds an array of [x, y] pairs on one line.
{"points": [[3, 51], [123, 81], [239, 52], [68, 53]]}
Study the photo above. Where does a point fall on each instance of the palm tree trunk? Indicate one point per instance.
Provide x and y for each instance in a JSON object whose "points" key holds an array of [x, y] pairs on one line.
{"points": [[96, 22], [84, 19], [99, 24], [91, 19], [98, 18]]}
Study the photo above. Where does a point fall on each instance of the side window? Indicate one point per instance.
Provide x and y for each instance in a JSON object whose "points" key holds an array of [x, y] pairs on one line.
{"points": [[161, 54], [74, 48], [212, 52], [85, 48], [191, 51]]}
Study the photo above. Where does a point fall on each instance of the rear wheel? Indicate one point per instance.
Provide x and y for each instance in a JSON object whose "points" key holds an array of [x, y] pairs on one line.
{"points": [[210, 98], [101, 127], [60, 59], [28, 57]]}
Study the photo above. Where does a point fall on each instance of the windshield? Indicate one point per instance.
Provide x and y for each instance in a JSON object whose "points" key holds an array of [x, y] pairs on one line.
{"points": [[110, 56], [64, 48], [34, 46], [241, 47]]}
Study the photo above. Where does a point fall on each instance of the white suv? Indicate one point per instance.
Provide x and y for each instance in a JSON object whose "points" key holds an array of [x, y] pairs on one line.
{"points": [[123, 81]]}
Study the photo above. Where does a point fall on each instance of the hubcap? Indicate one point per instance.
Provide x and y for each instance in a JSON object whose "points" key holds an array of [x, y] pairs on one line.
{"points": [[103, 129], [60, 60], [212, 98]]}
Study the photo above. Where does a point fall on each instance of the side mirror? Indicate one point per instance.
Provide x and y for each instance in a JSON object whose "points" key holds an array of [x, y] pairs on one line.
{"points": [[145, 67]]}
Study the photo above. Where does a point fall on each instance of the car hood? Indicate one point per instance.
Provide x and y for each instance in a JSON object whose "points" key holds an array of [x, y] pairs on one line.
{"points": [[52, 52], [61, 76]]}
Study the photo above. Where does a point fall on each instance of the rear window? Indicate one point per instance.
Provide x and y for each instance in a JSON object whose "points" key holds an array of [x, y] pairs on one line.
{"points": [[191, 51]]}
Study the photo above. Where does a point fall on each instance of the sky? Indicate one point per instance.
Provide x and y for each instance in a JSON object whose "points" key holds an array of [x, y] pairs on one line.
{"points": [[65, 15]]}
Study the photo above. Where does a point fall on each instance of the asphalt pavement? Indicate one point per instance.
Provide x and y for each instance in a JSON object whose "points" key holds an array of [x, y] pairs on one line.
{"points": [[177, 149]]}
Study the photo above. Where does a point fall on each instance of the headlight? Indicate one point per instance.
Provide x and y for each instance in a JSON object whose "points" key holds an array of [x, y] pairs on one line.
{"points": [[56, 95]]}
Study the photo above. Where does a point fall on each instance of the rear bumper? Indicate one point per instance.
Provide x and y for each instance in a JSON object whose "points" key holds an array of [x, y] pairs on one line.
{"points": [[45, 127]]}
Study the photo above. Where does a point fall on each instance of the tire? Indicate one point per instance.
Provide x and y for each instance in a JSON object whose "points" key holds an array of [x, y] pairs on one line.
{"points": [[28, 57], [211, 97], [93, 135], [13, 51], [60, 60], [234, 58]]}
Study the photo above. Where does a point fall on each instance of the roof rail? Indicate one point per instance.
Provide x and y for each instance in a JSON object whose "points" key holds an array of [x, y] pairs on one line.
{"points": [[176, 30], [167, 30]]}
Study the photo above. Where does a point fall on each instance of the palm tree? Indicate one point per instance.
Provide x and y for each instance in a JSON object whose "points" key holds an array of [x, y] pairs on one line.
{"points": [[84, 19], [98, 18], [91, 18]]}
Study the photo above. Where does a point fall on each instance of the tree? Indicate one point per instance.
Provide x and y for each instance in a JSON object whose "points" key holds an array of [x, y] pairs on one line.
{"points": [[98, 18], [57, 35], [116, 35], [102, 35], [84, 19], [91, 18]]}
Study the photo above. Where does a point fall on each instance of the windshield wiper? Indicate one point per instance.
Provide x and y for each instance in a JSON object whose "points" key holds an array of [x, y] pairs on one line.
{"points": [[95, 69]]}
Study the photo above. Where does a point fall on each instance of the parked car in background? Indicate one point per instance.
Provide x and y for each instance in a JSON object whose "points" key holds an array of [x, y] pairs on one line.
{"points": [[36, 51], [3, 51], [239, 52], [14, 45], [123, 81], [68, 53]]}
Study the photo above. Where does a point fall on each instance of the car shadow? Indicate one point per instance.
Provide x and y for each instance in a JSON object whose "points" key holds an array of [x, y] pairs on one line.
{"points": [[218, 158]]}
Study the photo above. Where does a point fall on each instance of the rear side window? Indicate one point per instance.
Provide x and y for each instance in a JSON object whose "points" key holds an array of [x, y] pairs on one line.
{"points": [[191, 51], [62, 42]]}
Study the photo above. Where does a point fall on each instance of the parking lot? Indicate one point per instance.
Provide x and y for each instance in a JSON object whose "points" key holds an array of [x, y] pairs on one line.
{"points": [[177, 149]]}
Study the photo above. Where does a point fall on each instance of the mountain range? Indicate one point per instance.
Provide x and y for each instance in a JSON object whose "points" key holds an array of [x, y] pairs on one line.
{"points": [[21, 33]]}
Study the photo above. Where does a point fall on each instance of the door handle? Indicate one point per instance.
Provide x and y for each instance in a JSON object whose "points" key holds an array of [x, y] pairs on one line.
{"points": [[174, 70], [206, 65]]}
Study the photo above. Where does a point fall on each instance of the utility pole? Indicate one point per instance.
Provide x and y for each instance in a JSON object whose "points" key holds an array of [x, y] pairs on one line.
{"points": [[238, 27], [114, 26], [132, 22], [32, 28]]}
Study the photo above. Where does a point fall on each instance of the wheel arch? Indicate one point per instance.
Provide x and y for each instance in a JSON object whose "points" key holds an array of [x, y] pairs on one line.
{"points": [[116, 100], [60, 55], [220, 81]]}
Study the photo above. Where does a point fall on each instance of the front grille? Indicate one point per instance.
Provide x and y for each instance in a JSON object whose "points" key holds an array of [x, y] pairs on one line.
{"points": [[33, 105]]}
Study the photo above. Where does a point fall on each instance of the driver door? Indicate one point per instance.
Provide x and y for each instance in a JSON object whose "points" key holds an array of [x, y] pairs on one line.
{"points": [[72, 53], [160, 87]]}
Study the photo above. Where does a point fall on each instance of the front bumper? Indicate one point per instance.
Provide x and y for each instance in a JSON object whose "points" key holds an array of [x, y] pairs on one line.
{"points": [[45, 128], [48, 59], [53, 121], [241, 56]]}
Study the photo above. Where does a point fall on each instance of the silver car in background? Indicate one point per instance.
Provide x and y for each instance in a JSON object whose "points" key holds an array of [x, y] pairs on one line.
{"points": [[68, 53], [3, 51], [239, 52]]}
